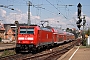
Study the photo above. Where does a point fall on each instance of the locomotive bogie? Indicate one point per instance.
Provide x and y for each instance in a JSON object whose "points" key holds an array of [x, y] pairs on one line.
{"points": [[24, 47]]}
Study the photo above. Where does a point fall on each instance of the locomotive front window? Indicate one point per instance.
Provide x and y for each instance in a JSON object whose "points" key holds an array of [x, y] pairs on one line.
{"points": [[27, 30], [30, 31], [23, 31]]}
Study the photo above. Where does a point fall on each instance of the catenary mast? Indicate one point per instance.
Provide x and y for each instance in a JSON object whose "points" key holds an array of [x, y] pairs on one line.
{"points": [[29, 21]]}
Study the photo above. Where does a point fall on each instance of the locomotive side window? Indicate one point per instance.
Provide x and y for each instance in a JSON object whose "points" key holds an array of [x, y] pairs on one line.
{"points": [[27, 30]]}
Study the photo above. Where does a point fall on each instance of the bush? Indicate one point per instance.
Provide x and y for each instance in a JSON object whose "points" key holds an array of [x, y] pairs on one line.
{"points": [[84, 42]]}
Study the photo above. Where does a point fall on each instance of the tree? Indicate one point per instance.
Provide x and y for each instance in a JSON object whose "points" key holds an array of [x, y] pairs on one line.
{"points": [[87, 32]]}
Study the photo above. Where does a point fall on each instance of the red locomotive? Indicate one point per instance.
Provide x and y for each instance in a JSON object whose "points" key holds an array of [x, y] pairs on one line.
{"points": [[32, 38]]}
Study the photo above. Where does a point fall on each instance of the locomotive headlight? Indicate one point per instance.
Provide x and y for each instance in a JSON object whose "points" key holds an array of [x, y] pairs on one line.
{"points": [[20, 38], [30, 38]]}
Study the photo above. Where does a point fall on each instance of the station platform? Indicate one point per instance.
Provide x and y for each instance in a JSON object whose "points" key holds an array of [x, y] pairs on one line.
{"points": [[77, 53], [6, 46]]}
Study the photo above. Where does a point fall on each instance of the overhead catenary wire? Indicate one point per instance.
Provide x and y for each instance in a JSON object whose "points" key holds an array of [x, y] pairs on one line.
{"points": [[56, 8], [66, 7], [46, 10]]}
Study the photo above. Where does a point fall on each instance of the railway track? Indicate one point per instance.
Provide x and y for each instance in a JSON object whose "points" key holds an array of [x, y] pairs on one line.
{"points": [[51, 54], [7, 52], [15, 57]]}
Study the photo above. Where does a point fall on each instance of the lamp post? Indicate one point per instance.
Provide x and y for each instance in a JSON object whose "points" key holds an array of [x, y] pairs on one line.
{"points": [[16, 29]]}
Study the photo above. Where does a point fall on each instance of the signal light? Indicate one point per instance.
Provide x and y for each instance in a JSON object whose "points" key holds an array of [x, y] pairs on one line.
{"points": [[79, 26], [79, 13], [16, 22], [79, 21], [84, 21]]}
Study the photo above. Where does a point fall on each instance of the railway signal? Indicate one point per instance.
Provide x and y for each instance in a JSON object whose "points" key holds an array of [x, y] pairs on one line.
{"points": [[79, 16], [79, 10], [79, 26], [84, 21], [78, 23]]}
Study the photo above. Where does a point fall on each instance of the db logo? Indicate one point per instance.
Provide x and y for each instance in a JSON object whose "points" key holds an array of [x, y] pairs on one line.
{"points": [[25, 37]]}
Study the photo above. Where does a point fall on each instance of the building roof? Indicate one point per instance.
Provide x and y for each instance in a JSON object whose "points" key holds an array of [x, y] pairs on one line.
{"points": [[1, 27]]}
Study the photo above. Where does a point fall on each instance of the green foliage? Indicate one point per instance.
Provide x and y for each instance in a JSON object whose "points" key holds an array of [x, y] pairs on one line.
{"points": [[87, 32], [84, 42], [7, 53]]}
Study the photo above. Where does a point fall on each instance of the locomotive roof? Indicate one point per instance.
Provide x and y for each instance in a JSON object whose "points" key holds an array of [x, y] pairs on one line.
{"points": [[41, 28], [57, 30], [48, 28], [45, 28]]}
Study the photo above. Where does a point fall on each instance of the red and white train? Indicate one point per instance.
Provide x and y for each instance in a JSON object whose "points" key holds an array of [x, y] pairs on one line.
{"points": [[33, 38]]}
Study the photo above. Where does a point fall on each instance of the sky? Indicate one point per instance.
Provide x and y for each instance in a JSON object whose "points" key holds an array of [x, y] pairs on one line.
{"points": [[57, 12]]}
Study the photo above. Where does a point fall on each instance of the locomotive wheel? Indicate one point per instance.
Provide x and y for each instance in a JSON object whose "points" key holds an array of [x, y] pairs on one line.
{"points": [[34, 50], [39, 49]]}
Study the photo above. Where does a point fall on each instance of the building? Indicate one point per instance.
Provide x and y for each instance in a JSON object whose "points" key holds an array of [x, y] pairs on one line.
{"points": [[2, 31], [10, 31]]}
